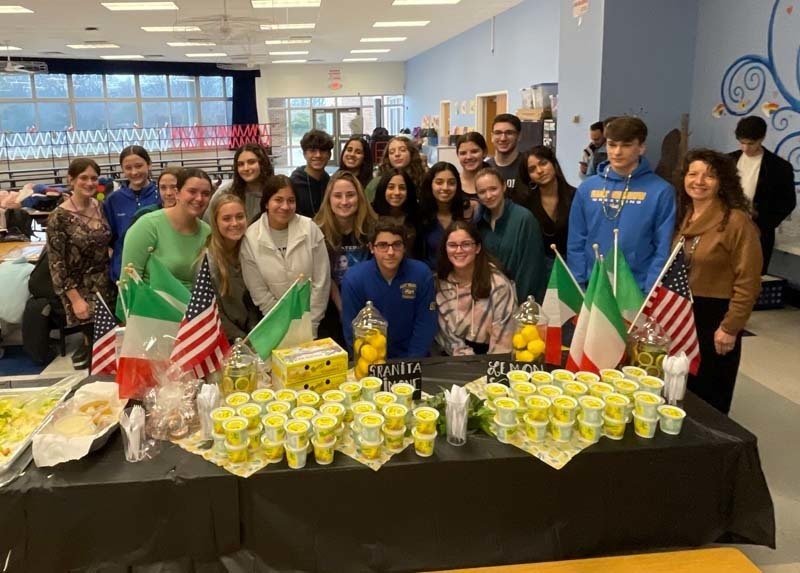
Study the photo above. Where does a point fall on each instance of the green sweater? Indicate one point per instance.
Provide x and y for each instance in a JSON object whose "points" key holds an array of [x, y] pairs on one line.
{"points": [[178, 252], [517, 242]]}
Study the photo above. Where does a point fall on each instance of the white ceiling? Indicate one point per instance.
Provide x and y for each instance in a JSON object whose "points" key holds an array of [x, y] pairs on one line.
{"points": [[340, 24]]}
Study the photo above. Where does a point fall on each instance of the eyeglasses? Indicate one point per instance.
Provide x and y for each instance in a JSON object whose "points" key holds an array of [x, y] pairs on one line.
{"points": [[464, 246], [507, 133], [383, 246]]}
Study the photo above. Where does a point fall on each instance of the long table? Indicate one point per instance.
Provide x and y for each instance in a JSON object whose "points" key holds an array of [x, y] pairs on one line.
{"points": [[481, 504]]}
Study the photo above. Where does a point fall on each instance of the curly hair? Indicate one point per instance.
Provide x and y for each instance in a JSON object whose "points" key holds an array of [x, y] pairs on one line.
{"points": [[239, 185], [730, 190], [416, 168]]}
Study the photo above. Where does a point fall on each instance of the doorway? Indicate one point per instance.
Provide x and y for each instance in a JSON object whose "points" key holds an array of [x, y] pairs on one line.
{"points": [[444, 122], [340, 123], [489, 105]]}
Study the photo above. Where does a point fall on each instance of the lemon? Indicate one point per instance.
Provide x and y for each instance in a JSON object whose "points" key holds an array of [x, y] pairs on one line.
{"points": [[519, 342], [360, 370], [357, 345], [368, 353], [653, 371], [381, 354], [644, 359], [660, 360], [536, 347], [363, 365], [530, 333], [376, 339], [227, 385], [242, 383], [524, 356]]}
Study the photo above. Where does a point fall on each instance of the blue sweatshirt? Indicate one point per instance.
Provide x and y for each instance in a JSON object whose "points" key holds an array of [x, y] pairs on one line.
{"points": [[407, 303], [119, 208], [646, 224]]}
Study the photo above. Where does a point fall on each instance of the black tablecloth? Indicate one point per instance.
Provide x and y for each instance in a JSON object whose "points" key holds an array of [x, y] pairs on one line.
{"points": [[484, 503]]}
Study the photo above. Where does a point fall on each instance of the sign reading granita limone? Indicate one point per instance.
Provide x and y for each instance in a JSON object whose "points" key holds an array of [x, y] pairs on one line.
{"points": [[393, 372]]}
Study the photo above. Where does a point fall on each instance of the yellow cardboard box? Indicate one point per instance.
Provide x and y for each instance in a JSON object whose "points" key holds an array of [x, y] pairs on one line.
{"points": [[317, 361]]}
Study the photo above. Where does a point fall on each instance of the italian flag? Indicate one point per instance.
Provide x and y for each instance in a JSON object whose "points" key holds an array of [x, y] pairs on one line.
{"points": [[599, 340], [626, 290], [562, 302], [164, 283], [288, 323], [150, 330]]}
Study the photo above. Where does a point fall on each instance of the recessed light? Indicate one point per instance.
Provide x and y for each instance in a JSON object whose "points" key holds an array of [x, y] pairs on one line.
{"points": [[171, 29], [125, 57], [289, 61], [14, 10], [131, 6], [93, 46], [423, 2], [290, 53], [189, 44], [388, 39], [402, 24], [371, 51], [287, 42], [207, 55], [9, 49], [285, 3], [307, 26], [360, 59]]}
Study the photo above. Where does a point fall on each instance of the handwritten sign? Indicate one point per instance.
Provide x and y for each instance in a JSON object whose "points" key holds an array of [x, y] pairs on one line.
{"points": [[393, 372], [496, 370]]}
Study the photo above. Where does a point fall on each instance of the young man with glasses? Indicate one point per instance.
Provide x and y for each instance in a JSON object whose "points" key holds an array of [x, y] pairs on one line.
{"points": [[506, 128], [310, 180], [401, 289]]}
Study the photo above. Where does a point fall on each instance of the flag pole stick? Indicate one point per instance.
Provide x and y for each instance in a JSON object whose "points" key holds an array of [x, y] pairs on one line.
{"points": [[596, 248], [121, 286], [658, 280], [616, 257], [569, 272], [283, 296]]}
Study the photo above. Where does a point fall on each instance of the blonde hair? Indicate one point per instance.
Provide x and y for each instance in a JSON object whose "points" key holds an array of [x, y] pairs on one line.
{"points": [[363, 221], [415, 168], [215, 244]]}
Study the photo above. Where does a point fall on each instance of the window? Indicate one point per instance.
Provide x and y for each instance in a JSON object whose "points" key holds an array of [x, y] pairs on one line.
{"points": [[183, 112], [300, 102], [15, 86], [50, 85], [155, 113], [54, 116], [90, 115], [85, 86], [17, 116], [300, 123], [213, 112], [153, 86], [181, 86], [323, 102], [211, 87], [121, 86], [122, 115]]}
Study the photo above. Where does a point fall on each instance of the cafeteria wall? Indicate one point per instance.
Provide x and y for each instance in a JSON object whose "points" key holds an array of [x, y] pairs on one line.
{"points": [[525, 52]]}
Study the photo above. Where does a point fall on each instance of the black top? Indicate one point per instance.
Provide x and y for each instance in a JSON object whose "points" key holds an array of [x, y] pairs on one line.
{"points": [[553, 231], [775, 198], [309, 191]]}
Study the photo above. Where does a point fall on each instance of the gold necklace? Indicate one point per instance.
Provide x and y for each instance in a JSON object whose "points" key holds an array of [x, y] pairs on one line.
{"points": [[607, 196]]}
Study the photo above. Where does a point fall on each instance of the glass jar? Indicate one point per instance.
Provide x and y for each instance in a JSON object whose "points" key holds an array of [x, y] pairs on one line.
{"points": [[369, 339], [240, 371], [648, 345], [530, 332]]}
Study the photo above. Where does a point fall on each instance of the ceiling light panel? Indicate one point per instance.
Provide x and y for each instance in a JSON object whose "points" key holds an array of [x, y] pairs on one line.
{"points": [[387, 39], [125, 57], [305, 26], [189, 44], [424, 2], [287, 42], [98, 46], [138, 6], [285, 3], [14, 10], [360, 59], [290, 53], [207, 55], [402, 24], [171, 29], [371, 51], [289, 61]]}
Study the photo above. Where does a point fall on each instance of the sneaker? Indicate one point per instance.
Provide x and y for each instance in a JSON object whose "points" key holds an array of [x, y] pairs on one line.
{"points": [[81, 356]]}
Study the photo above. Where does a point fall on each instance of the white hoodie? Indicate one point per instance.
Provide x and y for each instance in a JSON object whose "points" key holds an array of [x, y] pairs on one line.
{"points": [[268, 274]]}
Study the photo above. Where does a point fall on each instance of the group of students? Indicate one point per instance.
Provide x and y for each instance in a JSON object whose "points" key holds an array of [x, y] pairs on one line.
{"points": [[446, 256]]}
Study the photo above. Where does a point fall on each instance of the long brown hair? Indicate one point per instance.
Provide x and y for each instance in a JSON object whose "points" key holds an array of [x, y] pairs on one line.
{"points": [[730, 191], [215, 244], [363, 221], [416, 168], [484, 262]]}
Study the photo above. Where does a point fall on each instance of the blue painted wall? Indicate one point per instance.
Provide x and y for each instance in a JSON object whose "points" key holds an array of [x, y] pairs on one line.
{"points": [[648, 64], [526, 52]]}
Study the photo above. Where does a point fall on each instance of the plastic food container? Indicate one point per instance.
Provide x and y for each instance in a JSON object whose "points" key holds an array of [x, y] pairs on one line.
{"points": [[424, 443], [297, 433], [646, 404], [538, 407], [263, 396], [505, 432], [564, 409], [560, 376], [404, 393], [496, 390], [325, 428], [395, 415], [303, 413], [521, 390], [611, 375], [549, 390], [591, 409], [517, 376], [626, 387], [279, 407], [287, 395], [370, 424], [651, 384], [535, 429], [237, 453], [382, 398], [671, 418], [425, 419], [254, 437], [251, 413], [371, 449], [296, 456], [334, 409], [590, 431], [600, 389], [643, 426], [273, 450], [370, 385], [394, 439], [617, 407], [334, 396], [633, 372], [613, 428], [506, 410], [273, 426], [541, 377], [237, 399], [218, 417], [561, 431], [308, 398], [575, 389], [323, 451], [586, 377], [235, 430], [352, 392], [219, 443]]}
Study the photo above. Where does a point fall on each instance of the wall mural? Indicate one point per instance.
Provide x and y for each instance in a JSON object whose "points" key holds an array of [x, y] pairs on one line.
{"points": [[746, 81]]}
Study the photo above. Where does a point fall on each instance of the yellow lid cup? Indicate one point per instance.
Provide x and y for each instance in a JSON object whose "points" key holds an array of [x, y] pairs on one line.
{"points": [[394, 439], [633, 372], [575, 389], [383, 398], [371, 450], [591, 409], [297, 433], [262, 396], [219, 415], [517, 376], [235, 430], [296, 456], [643, 426], [626, 387], [600, 389], [362, 407], [335, 409], [671, 419], [613, 428], [236, 399], [535, 429], [370, 385], [287, 395], [521, 390], [586, 377], [646, 404], [561, 430], [279, 407], [251, 412], [334, 396], [616, 406], [370, 424], [564, 409], [496, 390], [651, 384], [352, 391], [507, 409], [538, 407], [423, 443], [590, 431], [273, 450], [308, 398], [505, 432], [611, 375], [323, 450], [549, 390], [542, 377], [273, 426], [560, 376], [325, 428], [237, 453], [404, 393], [303, 413], [425, 419], [395, 415]]}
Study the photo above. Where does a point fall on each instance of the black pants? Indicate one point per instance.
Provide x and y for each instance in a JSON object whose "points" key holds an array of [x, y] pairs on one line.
{"points": [[767, 240], [716, 377]]}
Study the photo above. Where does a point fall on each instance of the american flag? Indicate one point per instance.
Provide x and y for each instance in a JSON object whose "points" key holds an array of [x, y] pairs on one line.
{"points": [[200, 343], [104, 359], [670, 304]]}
